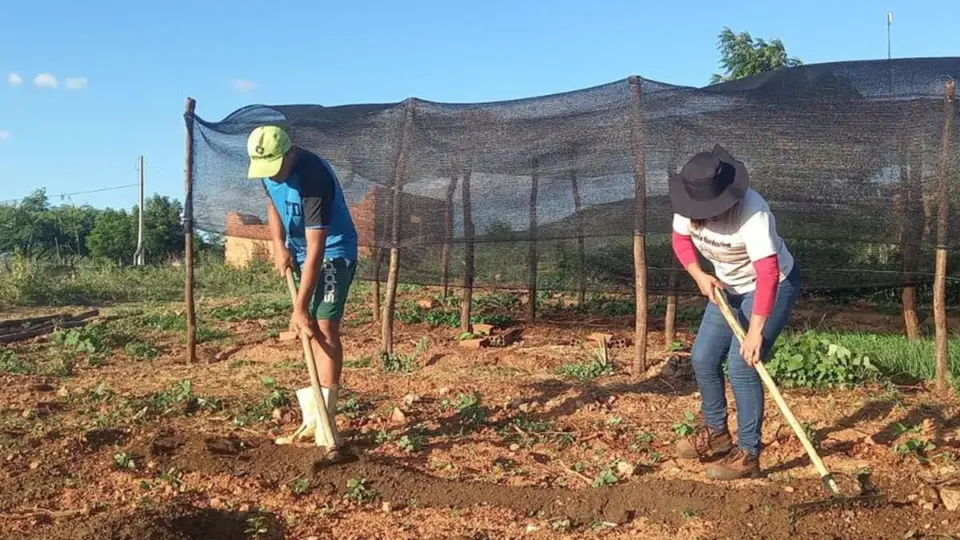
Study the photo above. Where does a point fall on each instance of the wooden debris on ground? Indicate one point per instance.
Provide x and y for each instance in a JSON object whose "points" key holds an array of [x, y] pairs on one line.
{"points": [[22, 329]]}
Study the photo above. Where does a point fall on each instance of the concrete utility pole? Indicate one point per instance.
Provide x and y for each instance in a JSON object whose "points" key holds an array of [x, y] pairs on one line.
{"points": [[889, 23], [138, 257]]}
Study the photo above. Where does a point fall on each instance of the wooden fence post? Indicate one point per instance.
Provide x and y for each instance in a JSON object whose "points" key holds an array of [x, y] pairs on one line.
{"points": [[466, 303], [532, 245], [399, 175], [377, 264], [910, 211], [447, 238], [188, 234], [640, 226], [943, 214], [581, 250], [670, 316]]}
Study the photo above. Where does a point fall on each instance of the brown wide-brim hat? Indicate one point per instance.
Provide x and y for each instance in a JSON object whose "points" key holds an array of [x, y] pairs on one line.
{"points": [[708, 185]]}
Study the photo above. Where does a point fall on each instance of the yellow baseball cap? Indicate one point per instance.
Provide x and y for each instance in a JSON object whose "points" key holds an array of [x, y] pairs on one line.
{"points": [[266, 147]]}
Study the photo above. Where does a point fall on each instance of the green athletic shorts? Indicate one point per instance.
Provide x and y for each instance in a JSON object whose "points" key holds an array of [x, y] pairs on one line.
{"points": [[330, 297]]}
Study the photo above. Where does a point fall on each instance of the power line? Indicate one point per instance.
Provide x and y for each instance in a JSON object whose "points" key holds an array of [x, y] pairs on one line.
{"points": [[64, 195]]}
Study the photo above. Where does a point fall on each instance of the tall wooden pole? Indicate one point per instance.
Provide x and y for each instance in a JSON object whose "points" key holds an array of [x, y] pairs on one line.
{"points": [[943, 196], [393, 272], [188, 235], [466, 303], [581, 250], [640, 226], [532, 245], [670, 317], [447, 238]]}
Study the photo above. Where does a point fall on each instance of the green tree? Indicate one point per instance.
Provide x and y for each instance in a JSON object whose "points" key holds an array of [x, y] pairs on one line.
{"points": [[742, 56], [72, 224], [113, 237], [24, 227], [162, 228]]}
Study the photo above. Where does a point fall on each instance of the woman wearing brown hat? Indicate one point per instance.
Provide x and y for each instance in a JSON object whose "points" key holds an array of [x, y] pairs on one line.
{"points": [[731, 225]]}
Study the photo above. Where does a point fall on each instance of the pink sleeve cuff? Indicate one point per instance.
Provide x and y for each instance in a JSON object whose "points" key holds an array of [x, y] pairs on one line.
{"points": [[768, 278], [683, 248]]}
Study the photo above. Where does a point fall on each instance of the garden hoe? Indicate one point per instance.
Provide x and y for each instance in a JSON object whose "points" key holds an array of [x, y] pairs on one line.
{"points": [[323, 432], [869, 496]]}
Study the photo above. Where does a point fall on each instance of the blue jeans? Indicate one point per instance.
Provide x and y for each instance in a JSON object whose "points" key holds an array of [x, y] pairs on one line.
{"points": [[715, 341]]}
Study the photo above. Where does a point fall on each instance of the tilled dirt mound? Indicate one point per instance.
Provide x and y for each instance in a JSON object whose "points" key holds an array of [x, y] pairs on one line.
{"points": [[757, 511], [174, 521]]}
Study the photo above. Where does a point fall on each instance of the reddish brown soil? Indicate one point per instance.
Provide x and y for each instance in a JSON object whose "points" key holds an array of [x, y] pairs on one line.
{"points": [[194, 473]]}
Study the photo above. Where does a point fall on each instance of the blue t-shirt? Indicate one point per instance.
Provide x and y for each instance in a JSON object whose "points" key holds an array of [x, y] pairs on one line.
{"points": [[311, 198]]}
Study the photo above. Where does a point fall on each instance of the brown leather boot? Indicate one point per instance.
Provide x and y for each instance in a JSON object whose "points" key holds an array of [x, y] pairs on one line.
{"points": [[704, 444], [735, 465]]}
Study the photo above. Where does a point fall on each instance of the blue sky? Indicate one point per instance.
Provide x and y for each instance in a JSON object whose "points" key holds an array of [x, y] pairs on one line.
{"points": [[122, 70]]}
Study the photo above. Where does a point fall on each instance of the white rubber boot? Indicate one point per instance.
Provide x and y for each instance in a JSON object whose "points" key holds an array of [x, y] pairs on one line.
{"points": [[308, 427], [330, 396]]}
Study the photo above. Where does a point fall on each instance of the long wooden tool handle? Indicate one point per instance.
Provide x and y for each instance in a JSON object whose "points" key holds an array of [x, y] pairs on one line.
{"points": [[324, 420], [775, 392]]}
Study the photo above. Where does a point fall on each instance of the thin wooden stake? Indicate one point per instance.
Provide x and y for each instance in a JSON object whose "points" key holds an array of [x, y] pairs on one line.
{"points": [[188, 235], [447, 238], [377, 263], [466, 303], [908, 210], [393, 271], [581, 250], [640, 226], [943, 196], [532, 245]]}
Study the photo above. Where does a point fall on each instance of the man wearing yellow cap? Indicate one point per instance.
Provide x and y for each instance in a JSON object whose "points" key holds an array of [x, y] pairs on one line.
{"points": [[312, 232]]}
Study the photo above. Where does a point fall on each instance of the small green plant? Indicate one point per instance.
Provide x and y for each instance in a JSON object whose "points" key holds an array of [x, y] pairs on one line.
{"points": [[810, 360], [301, 486], [411, 443], [257, 525], [262, 411], [358, 492], [687, 427], [382, 437], [353, 407], [917, 447], [688, 513], [252, 310], [359, 363], [140, 349], [10, 363], [642, 441], [470, 415], [607, 477], [404, 363], [124, 460], [585, 371]]}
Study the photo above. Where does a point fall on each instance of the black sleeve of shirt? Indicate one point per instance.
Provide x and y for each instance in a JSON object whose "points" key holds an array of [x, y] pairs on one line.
{"points": [[316, 190]]}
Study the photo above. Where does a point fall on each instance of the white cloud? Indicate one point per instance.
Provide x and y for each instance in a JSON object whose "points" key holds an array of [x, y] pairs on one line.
{"points": [[14, 79], [4, 135], [76, 83], [243, 85], [45, 80]]}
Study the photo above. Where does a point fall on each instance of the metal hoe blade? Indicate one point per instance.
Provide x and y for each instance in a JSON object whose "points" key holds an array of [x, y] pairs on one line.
{"points": [[870, 497]]}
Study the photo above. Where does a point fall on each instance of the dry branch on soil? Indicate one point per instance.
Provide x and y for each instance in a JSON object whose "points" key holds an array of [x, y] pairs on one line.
{"points": [[21, 329]]}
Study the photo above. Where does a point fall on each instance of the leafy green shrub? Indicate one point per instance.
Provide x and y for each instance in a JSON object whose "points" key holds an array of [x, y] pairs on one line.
{"points": [[810, 360]]}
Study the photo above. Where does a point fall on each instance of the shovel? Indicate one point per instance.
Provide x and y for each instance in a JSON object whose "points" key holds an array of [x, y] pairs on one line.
{"points": [[868, 494], [324, 433]]}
